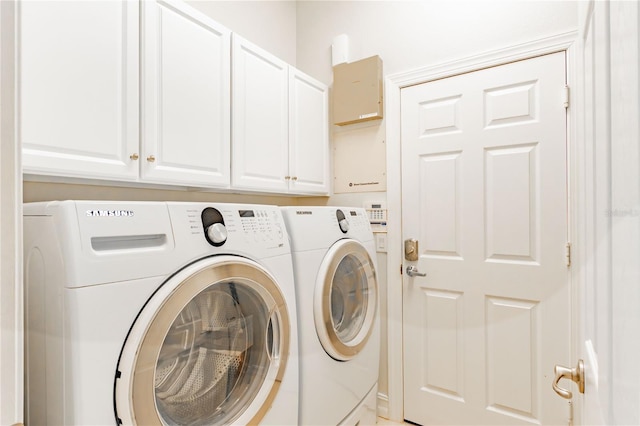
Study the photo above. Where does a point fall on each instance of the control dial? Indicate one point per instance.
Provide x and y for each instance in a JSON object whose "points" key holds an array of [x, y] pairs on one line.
{"points": [[217, 233], [214, 229], [343, 223]]}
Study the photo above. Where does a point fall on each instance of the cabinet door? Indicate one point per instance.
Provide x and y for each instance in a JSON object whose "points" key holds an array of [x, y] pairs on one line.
{"points": [[308, 134], [78, 88], [186, 101], [259, 119]]}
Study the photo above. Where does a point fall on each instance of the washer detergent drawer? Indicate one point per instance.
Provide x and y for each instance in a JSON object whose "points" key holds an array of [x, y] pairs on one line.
{"points": [[110, 234]]}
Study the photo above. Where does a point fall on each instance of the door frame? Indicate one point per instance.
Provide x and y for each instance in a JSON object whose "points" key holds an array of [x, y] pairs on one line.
{"points": [[11, 311], [394, 83]]}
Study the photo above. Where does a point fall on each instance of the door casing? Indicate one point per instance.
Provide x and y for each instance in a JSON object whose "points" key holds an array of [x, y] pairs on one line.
{"points": [[564, 42]]}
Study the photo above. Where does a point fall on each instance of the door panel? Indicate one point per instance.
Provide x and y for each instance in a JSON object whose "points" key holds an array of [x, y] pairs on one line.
{"points": [[260, 118], [308, 134], [484, 192], [78, 88], [595, 244], [607, 213], [186, 107]]}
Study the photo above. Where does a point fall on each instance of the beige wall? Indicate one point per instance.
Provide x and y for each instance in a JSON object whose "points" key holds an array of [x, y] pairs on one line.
{"points": [[269, 24], [411, 34], [44, 191]]}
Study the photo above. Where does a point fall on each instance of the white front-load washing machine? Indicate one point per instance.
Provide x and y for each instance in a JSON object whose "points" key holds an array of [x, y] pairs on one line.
{"points": [[158, 313], [334, 262]]}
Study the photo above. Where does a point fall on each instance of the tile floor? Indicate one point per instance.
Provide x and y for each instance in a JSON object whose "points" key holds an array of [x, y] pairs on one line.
{"points": [[386, 422]]}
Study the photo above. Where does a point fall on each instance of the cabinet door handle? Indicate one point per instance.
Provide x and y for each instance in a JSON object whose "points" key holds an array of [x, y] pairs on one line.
{"points": [[287, 177], [151, 158], [294, 178], [134, 156]]}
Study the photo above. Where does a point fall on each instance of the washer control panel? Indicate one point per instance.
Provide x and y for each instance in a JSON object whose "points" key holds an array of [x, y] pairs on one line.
{"points": [[262, 225], [240, 224]]}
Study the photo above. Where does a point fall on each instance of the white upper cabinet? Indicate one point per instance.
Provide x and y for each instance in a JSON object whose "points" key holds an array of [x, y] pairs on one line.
{"points": [[308, 134], [280, 125], [155, 91], [186, 60], [78, 88], [259, 119]]}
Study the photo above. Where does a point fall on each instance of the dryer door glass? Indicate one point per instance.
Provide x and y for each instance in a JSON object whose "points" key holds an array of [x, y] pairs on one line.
{"points": [[214, 352], [349, 298], [345, 300]]}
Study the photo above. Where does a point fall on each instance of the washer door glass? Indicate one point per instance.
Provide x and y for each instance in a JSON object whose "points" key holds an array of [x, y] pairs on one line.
{"points": [[213, 352], [345, 300]]}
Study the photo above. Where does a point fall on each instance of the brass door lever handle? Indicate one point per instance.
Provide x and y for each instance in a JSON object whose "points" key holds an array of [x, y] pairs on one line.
{"points": [[575, 374]]}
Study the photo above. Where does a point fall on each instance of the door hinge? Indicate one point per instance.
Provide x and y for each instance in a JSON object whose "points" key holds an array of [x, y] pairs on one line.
{"points": [[568, 254], [401, 269], [570, 419], [565, 96]]}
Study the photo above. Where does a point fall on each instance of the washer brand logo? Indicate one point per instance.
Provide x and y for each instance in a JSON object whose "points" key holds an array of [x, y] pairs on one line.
{"points": [[110, 213], [304, 212]]}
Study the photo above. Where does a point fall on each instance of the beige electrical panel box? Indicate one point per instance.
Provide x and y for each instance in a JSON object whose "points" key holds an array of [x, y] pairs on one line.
{"points": [[357, 91], [352, 145]]}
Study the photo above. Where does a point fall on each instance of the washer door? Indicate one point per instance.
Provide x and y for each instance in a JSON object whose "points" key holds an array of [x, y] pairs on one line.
{"points": [[345, 300], [209, 347]]}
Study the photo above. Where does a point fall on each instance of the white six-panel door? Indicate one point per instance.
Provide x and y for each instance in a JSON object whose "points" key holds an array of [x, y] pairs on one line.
{"points": [[484, 192]]}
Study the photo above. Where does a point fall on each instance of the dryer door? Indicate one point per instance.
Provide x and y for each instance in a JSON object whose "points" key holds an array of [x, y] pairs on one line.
{"points": [[345, 299], [209, 347]]}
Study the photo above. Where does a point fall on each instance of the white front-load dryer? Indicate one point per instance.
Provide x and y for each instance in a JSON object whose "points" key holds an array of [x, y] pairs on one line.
{"points": [[157, 313], [336, 288]]}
